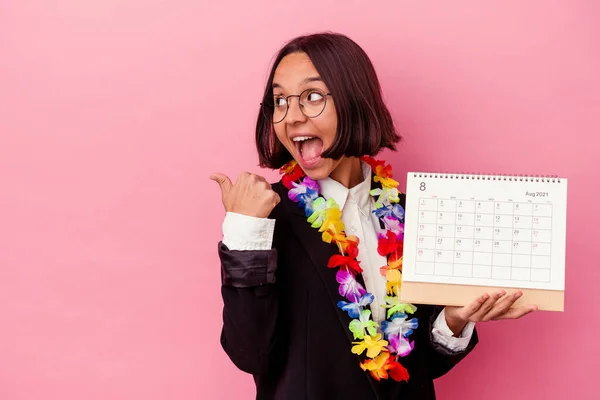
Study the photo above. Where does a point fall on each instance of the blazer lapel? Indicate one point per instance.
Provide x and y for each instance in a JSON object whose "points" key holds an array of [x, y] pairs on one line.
{"points": [[320, 253]]}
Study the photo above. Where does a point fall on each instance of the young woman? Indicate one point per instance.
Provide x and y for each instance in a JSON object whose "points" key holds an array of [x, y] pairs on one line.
{"points": [[311, 266]]}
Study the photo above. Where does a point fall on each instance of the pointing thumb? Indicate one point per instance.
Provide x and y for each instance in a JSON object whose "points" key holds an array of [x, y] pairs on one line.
{"points": [[223, 181]]}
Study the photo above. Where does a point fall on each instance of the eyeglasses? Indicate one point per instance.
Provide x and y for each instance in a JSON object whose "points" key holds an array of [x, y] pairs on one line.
{"points": [[311, 102]]}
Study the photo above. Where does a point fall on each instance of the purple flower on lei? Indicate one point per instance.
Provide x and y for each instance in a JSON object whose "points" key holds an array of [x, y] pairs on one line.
{"points": [[399, 345], [349, 286], [304, 193], [393, 224]]}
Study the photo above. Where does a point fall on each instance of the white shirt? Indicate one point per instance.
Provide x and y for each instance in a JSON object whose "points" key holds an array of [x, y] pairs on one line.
{"points": [[242, 232]]}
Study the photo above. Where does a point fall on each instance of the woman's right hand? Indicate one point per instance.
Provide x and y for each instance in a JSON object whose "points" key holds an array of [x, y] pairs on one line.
{"points": [[250, 195]]}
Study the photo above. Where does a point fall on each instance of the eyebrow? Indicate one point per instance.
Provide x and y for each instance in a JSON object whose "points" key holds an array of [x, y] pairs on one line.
{"points": [[304, 82]]}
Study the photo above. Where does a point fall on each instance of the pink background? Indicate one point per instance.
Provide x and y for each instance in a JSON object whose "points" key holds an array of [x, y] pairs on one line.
{"points": [[113, 114]]}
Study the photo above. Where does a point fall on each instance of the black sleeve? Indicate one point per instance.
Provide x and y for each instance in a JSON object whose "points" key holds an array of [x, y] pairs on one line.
{"points": [[441, 359], [250, 303], [247, 268], [250, 307]]}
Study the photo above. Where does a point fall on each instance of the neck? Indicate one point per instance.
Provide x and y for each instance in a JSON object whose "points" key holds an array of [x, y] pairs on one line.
{"points": [[348, 172]]}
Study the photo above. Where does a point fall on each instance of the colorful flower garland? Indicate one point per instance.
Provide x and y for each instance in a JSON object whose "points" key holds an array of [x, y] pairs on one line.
{"points": [[386, 344]]}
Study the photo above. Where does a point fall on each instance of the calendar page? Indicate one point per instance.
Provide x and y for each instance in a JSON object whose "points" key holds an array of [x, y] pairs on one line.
{"points": [[485, 230]]}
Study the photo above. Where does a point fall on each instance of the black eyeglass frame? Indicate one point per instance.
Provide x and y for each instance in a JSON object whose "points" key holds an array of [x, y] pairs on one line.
{"points": [[268, 109]]}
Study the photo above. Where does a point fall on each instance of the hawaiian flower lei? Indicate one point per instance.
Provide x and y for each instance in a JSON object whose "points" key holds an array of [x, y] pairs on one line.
{"points": [[386, 344]]}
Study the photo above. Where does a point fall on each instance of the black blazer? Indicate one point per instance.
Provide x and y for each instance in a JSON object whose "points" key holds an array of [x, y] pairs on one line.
{"points": [[282, 325]]}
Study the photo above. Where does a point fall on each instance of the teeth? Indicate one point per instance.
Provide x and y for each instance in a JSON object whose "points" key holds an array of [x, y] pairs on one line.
{"points": [[302, 138]]}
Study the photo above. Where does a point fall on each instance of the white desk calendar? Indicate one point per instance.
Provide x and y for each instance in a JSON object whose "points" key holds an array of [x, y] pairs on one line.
{"points": [[469, 234]]}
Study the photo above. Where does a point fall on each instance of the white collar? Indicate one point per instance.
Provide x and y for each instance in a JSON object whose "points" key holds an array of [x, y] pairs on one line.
{"points": [[359, 194]]}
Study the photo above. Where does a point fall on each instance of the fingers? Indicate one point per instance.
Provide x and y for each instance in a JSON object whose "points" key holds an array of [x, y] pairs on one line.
{"points": [[502, 306], [262, 179], [250, 195], [495, 307], [469, 310], [276, 198], [249, 176], [516, 312], [223, 181], [270, 193], [485, 308]]}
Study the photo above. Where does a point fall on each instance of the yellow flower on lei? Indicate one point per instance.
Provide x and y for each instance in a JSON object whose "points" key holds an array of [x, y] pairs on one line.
{"points": [[394, 281], [332, 224], [373, 345]]}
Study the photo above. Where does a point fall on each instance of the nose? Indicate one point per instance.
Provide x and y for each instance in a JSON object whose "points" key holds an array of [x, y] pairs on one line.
{"points": [[294, 113]]}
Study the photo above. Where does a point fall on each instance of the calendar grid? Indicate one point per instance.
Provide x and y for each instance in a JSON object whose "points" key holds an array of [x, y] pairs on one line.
{"points": [[454, 242], [496, 249], [532, 241], [548, 279], [531, 244], [437, 206], [473, 253], [512, 247]]}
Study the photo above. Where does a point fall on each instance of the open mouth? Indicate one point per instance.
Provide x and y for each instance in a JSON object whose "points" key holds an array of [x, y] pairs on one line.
{"points": [[309, 148]]}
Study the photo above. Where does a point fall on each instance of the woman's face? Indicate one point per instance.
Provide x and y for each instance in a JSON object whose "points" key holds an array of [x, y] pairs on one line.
{"points": [[305, 138]]}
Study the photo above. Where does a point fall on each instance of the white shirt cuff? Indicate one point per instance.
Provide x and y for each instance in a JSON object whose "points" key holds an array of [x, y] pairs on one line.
{"points": [[242, 232], [444, 336]]}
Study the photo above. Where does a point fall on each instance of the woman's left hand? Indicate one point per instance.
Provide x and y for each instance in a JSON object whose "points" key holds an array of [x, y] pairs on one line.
{"points": [[486, 308]]}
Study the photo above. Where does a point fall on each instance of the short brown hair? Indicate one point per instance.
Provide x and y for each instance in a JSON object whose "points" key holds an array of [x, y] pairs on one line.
{"points": [[365, 125]]}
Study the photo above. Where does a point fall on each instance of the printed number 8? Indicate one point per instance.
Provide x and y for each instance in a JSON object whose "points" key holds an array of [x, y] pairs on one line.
{"points": [[422, 188]]}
